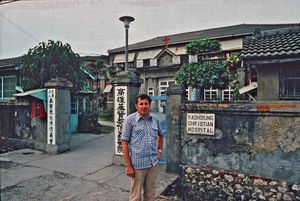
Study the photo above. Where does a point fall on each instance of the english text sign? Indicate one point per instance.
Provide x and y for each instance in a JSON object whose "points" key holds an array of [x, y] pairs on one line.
{"points": [[200, 123]]}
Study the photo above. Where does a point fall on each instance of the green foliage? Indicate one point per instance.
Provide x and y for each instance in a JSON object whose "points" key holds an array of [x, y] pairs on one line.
{"points": [[106, 129], [51, 60], [107, 114], [203, 75], [232, 63], [202, 46], [99, 68], [236, 94]]}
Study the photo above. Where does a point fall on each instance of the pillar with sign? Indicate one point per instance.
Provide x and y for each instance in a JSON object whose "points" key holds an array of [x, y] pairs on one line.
{"points": [[58, 114], [126, 87]]}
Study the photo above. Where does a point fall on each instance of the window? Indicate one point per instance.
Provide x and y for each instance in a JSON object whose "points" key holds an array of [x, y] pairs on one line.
{"points": [[74, 106], [150, 91], [139, 63], [210, 94], [7, 87], [164, 83], [153, 62], [226, 94], [146, 62], [176, 60], [184, 59], [290, 82], [193, 59], [163, 86]]}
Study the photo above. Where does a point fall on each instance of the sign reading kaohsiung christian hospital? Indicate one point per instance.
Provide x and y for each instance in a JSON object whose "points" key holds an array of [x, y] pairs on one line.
{"points": [[200, 123]]}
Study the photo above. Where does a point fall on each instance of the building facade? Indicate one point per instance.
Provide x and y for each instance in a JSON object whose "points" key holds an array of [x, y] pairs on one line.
{"points": [[275, 57], [157, 60]]}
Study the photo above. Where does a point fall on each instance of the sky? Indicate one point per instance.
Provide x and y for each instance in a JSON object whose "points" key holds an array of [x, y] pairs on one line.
{"points": [[92, 27]]}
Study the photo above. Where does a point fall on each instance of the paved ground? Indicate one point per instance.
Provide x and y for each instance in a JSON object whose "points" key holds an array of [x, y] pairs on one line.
{"points": [[85, 173]]}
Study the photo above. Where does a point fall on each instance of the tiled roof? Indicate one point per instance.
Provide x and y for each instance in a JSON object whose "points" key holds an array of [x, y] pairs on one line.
{"points": [[9, 61], [215, 33], [269, 44]]}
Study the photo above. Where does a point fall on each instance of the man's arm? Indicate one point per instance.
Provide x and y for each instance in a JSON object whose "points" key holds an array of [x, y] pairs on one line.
{"points": [[160, 142], [129, 168]]}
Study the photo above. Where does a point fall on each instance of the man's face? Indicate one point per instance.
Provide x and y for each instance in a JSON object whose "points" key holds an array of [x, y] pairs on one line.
{"points": [[142, 107]]}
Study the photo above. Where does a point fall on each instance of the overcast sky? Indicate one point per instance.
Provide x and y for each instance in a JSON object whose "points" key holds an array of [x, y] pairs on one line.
{"points": [[92, 27]]}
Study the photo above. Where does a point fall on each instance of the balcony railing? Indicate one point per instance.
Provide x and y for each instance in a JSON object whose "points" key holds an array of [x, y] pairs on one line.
{"points": [[212, 61]]}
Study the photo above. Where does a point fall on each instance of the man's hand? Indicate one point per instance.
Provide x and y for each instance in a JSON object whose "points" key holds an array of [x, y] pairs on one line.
{"points": [[129, 168], [159, 155], [129, 171], [160, 143]]}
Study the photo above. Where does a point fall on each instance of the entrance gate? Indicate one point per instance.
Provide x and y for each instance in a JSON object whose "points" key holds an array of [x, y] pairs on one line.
{"points": [[159, 108]]}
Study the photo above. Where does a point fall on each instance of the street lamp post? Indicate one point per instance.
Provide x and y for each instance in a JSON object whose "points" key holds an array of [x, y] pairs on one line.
{"points": [[126, 20]]}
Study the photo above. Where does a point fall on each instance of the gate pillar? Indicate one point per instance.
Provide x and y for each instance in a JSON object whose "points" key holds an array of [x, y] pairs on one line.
{"points": [[126, 87], [175, 95], [58, 114]]}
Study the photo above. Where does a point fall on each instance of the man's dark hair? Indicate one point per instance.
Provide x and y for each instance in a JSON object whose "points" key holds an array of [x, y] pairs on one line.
{"points": [[142, 97]]}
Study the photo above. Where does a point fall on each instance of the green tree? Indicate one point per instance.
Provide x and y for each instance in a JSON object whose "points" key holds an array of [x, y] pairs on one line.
{"points": [[205, 75], [51, 60], [203, 46], [99, 68]]}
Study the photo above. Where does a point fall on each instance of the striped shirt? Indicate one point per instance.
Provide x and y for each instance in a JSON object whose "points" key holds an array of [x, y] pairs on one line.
{"points": [[142, 135]]}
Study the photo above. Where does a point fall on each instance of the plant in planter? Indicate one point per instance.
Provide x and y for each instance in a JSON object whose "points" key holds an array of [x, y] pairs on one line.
{"points": [[205, 75]]}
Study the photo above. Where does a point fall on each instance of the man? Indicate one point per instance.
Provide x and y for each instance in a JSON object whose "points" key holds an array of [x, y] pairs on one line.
{"points": [[142, 131]]}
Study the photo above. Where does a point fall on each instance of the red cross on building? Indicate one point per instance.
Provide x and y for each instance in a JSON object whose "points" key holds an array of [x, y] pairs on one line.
{"points": [[166, 41]]}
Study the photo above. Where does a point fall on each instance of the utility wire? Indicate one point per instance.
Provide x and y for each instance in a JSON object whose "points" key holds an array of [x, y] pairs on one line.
{"points": [[20, 28]]}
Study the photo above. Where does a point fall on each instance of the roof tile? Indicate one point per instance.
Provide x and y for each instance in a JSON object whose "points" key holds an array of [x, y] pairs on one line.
{"points": [[276, 43], [214, 33]]}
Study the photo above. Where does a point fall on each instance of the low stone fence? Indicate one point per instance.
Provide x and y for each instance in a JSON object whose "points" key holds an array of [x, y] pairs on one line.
{"points": [[15, 119], [261, 138], [211, 184], [19, 128]]}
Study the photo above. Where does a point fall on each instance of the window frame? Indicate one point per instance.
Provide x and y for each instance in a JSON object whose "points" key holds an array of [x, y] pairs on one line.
{"points": [[283, 86], [2, 90]]}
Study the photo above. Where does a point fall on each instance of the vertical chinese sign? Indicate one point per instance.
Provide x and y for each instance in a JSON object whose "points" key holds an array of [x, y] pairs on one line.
{"points": [[51, 117], [120, 113]]}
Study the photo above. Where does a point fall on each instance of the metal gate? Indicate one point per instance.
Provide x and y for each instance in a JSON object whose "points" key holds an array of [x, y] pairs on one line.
{"points": [[159, 108]]}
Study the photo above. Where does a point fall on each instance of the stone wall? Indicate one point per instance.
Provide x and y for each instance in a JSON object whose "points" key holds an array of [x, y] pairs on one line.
{"points": [[211, 184], [261, 138], [17, 124], [246, 140]]}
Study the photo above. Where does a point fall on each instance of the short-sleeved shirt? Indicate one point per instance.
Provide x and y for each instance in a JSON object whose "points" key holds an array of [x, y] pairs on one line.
{"points": [[142, 136]]}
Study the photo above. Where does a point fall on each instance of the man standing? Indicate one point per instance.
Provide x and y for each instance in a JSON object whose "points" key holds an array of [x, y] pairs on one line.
{"points": [[142, 141]]}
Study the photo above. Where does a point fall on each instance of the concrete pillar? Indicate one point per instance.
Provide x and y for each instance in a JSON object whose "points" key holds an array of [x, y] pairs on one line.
{"points": [[126, 87], [146, 85], [102, 84], [175, 95], [156, 93], [58, 116], [241, 77]]}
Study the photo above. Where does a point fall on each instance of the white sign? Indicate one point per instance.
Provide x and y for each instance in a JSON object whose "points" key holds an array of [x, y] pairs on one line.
{"points": [[120, 113], [200, 123], [51, 116]]}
